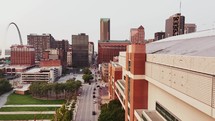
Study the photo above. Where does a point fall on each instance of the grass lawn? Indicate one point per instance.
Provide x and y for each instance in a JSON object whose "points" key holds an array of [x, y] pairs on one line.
{"points": [[15, 99], [14, 109], [26, 117]]}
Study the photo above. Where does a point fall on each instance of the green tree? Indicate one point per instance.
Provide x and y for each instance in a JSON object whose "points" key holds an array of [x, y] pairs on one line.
{"points": [[87, 71], [63, 114], [87, 77], [112, 111], [5, 86]]}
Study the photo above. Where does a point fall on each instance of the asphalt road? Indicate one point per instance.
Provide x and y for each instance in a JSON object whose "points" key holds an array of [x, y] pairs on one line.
{"points": [[87, 105]]}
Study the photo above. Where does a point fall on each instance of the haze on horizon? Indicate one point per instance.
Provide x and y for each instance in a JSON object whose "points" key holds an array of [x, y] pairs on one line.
{"points": [[67, 17]]}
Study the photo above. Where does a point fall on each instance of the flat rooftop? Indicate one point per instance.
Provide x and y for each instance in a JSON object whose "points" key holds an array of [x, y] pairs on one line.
{"points": [[192, 44], [17, 66], [33, 70]]}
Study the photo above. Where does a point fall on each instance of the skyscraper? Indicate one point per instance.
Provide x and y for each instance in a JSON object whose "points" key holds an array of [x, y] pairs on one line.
{"points": [[137, 35], [80, 50], [104, 29], [175, 25]]}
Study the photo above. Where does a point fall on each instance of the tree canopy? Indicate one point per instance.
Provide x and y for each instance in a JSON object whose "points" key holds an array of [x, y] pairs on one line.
{"points": [[87, 77], [112, 111], [43, 89], [63, 114], [87, 71], [5, 86]]}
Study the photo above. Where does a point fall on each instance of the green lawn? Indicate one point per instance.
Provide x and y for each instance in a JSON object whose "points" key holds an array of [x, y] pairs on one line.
{"points": [[14, 109], [26, 117], [16, 99]]}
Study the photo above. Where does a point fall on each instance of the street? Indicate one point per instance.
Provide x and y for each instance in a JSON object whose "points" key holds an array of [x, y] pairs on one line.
{"points": [[86, 103]]}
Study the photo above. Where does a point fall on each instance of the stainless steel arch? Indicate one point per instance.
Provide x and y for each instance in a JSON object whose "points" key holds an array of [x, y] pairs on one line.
{"points": [[20, 37]]}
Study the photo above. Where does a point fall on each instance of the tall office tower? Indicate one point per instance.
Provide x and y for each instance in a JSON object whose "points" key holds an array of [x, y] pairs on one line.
{"points": [[41, 43], [189, 28], [159, 36], [175, 25], [91, 52], [22, 55], [104, 29], [137, 35], [80, 50]]}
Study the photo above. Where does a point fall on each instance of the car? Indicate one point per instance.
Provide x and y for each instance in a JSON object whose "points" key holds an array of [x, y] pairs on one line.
{"points": [[94, 92], [94, 89], [93, 113], [94, 96], [98, 85]]}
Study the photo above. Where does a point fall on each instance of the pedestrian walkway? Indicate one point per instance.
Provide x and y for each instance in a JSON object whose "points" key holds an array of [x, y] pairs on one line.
{"points": [[32, 105], [29, 112], [3, 98]]}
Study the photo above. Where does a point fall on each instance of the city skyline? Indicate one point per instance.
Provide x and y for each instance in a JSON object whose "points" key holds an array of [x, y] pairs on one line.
{"points": [[62, 19]]}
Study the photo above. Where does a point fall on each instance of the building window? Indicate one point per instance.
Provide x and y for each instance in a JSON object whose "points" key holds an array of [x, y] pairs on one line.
{"points": [[165, 113], [129, 65], [129, 83]]}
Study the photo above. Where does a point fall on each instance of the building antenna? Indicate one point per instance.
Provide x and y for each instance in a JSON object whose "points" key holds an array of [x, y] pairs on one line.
{"points": [[180, 7]]}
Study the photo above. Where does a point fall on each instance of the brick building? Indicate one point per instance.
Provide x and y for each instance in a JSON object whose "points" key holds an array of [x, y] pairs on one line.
{"points": [[62, 44], [164, 83], [137, 35], [109, 49], [55, 54], [41, 43], [175, 25], [22, 55], [189, 28], [159, 36]]}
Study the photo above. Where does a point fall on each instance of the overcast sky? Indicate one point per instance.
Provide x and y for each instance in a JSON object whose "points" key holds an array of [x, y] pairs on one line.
{"points": [[62, 18]]}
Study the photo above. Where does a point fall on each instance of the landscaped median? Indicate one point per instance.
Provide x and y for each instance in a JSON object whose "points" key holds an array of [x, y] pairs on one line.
{"points": [[25, 107]]}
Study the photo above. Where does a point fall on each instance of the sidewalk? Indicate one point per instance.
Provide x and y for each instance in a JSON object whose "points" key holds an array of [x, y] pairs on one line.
{"points": [[28, 112], [3, 98], [32, 105]]}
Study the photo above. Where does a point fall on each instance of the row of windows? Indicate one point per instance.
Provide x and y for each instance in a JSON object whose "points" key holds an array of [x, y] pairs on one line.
{"points": [[165, 113]]}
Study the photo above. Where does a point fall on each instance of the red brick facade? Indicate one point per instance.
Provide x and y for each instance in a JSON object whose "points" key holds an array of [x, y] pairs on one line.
{"points": [[50, 63], [137, 35], [115, 74], [108, 50], [136, 90], [22, 55]]}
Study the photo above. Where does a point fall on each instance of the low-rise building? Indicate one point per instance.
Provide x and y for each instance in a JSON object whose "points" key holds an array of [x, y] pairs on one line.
{"points": [[40, 75]]}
